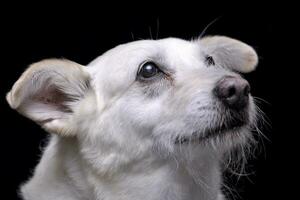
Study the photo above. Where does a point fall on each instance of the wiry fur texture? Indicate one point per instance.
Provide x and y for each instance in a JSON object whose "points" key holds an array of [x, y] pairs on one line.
{"points": [[117, 137]]}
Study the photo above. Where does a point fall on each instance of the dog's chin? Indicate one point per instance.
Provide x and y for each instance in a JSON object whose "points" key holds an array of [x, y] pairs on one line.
{"points": [[220, 134]]}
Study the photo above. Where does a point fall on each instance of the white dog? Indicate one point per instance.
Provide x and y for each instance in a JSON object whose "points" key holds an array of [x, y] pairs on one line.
{"points": [[151, 119]]}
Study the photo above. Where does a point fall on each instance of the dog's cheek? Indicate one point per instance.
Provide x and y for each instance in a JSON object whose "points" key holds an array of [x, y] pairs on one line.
{"points": [[141, 113]]}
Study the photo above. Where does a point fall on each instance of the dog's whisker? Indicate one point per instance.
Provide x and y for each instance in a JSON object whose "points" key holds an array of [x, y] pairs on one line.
{"points": [[157, 28], [258, 99], [207, 26], [132, 36], [150, 33], [231, 191], [261, 115]]}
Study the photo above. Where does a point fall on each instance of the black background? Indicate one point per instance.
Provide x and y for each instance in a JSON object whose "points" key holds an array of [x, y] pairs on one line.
{"points": [[82, 34]]}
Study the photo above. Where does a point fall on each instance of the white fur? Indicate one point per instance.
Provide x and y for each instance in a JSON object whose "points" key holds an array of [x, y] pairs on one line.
{"points": [[114, 137]]}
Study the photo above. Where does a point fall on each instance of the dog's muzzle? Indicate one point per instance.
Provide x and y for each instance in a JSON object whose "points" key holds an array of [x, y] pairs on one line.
{"points": [[234, 93]]}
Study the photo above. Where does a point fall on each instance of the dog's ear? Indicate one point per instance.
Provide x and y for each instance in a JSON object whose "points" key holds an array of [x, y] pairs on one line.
{"points": [[230, 53], [48, 91]]}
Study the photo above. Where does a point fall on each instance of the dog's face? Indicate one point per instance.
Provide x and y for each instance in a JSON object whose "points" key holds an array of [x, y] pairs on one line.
{"points": [[143, 98]]}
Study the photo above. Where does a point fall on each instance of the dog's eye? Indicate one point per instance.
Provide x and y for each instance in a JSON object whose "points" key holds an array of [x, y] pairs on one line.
{"points": [[209, 60], [148, 70]]}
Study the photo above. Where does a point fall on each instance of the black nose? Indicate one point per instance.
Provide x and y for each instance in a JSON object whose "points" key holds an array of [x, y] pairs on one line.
{"points": [[233, 92]]}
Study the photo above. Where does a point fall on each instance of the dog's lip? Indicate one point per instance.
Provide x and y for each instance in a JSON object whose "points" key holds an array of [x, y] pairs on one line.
{"points": [[210, 134]]}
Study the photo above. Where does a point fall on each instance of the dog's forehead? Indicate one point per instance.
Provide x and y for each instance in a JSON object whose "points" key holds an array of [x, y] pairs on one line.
{"points": [[163, 46], [116, 69], [133, 53]]}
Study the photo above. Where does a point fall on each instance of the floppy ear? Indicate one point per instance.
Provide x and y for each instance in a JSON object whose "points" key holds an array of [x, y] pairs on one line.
{"points": [[47, 93], [230, 53]]}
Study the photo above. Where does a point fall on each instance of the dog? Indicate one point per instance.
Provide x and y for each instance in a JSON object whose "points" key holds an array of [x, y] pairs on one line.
{"points": [[150, 119]]}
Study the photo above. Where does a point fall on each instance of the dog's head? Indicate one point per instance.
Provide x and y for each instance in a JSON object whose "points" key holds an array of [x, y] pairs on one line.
{"points": [[144, 96]]}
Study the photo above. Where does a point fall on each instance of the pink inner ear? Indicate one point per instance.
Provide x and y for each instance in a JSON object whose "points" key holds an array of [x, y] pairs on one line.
{"points": [[53, 97]]}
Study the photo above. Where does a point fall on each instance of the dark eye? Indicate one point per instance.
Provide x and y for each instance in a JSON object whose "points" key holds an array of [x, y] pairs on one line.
{"points": [[148, 70], [209, 60]]}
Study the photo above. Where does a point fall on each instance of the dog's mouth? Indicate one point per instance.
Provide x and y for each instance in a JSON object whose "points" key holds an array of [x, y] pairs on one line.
{"points": [[218, 132]]}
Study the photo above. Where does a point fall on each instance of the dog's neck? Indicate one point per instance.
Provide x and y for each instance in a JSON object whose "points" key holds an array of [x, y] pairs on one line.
{"points": [[198, 178], [163, 180]]}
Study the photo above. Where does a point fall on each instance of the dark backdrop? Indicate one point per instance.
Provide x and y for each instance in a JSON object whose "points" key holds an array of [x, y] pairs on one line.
{"points": [[82, 34]]}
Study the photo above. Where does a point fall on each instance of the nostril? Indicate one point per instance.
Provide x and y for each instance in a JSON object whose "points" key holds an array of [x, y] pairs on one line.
{"points": [[231, 91]]}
